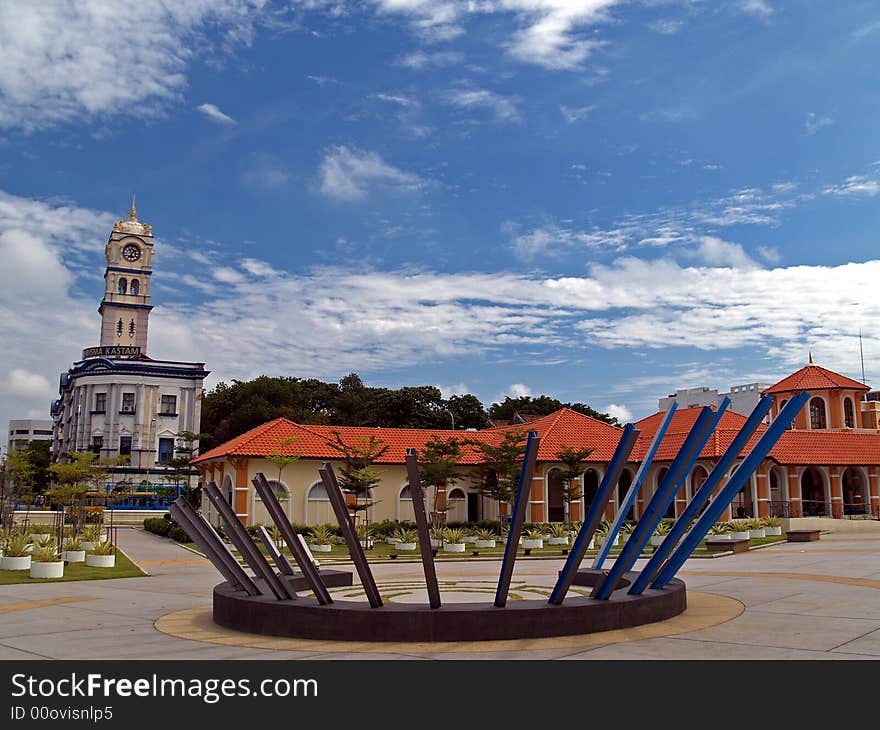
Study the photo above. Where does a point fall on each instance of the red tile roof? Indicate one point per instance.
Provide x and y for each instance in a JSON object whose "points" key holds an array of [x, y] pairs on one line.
{"points": [[827, 448], [562, 428], [815, 377]]}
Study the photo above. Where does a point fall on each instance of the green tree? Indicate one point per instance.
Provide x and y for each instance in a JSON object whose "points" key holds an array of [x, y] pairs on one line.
{"points": [[186, 449], [467, 411], [279, 458], [497, 475], [438, 468], [542, 405], [73, 479], [575, 465], [357, 475]]}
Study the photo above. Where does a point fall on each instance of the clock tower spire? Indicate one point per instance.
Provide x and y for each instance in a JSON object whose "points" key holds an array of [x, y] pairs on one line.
{"points": [[125, 308]]}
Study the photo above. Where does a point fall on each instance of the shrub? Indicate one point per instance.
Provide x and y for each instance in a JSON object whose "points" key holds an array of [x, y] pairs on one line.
{"points": [[157, 525], [178, 534]]}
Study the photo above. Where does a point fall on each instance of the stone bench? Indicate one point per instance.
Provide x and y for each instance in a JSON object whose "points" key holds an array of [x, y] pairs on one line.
{"points": [[736, 546], [802, 535]]}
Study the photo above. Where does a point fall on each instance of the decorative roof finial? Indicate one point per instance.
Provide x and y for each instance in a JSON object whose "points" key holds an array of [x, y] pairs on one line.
{"points": [[132, 213], [809, 358]]}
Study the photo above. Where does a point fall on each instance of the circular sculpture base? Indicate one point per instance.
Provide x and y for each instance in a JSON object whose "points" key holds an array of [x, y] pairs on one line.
{"points": [[304, 618]]}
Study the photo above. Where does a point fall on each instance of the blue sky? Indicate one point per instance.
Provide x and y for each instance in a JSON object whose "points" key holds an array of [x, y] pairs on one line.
{"points": [[598, 200]]}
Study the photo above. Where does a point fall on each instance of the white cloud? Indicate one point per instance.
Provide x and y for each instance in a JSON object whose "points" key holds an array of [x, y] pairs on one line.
{"points": [[66, 61], [814, 122], [437, 59], [576, 114], [447, 391], [620, 412], [666, 27], [349, 174], [503, 108], [518, 390], [23, 384], [760, 8], [770, 254], [259, 268], [213, 113], [714, 251], [857, 185], [322, 80], [227, 275], [398, 99]]}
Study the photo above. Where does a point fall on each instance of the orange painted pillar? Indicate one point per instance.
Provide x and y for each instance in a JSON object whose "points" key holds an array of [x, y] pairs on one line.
{"points": [[836, 492], [762, 483], [795, 508], [241, 490], [727, 515]]}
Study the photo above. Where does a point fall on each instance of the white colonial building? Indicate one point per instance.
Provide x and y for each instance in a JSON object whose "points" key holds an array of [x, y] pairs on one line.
{"points": [[116, 400]]}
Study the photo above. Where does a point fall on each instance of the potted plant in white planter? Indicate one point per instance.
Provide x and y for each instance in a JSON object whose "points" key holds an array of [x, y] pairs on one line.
{"points": [[365, 534], [660, 533], [91, 535], [42, 541], [740, 530], [436, 535], [46, 563], [772, 526], [453, 542], [533, 539], [103, 556], [601, 534], [407, 539], [485, 539], [756, 528], [74, 552], [469, 536], [17, 553], [558, 534], [721, 531], [321, 539]]}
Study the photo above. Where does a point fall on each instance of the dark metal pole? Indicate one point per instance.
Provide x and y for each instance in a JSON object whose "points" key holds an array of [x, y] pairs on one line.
{"points": [[337, 501], [743, 472], [594, 516], [662, 498], [273, 506], [214, 550], [418, 500], [249, 551], [701, 497], [519, 511]]}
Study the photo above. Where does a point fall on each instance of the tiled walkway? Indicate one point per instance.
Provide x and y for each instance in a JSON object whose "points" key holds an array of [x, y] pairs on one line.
{"points": [[817, 600]]}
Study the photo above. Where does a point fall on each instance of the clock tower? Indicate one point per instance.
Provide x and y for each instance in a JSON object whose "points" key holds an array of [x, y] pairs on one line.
{"points": [[125, 308]]}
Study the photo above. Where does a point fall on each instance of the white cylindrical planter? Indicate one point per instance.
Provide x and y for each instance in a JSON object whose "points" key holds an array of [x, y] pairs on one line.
{"points": [[454, 547], [744, 535], [532, 544], [74, 556], [321, 548], [468, 539], [558, 541], [87, 546], [759, 533], [100, 561], [484, 544], [435, 543], [9, 563], [773, 531], [406, 546], [54, 569], [657, 540]]}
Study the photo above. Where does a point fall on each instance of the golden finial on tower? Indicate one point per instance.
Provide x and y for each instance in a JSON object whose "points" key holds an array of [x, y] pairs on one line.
{"points": [[132, 213]]}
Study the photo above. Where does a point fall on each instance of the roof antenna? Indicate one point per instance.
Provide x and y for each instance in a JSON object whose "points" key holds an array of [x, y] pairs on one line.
{"points": [[132, 213]]}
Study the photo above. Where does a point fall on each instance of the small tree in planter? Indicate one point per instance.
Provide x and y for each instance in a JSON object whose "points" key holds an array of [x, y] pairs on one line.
{"points": [[438, 468], [73, 479], [453, 541], [321, 539], [186, 449], [558, 532], [17, 551], [498, 473], [73, 550], [485, 539], [575, 465], [772, 526], [103, 556]]}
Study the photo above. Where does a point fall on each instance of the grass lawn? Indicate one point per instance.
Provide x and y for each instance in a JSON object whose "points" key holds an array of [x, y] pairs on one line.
{"points": [[77, 571]]}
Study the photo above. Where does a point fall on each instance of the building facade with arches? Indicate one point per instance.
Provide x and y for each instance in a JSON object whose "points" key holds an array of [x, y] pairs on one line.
{"points": [[820, 467]]}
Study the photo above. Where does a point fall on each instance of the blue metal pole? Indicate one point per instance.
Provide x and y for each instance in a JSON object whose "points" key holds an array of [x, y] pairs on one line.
{"points": [[681, 465], [594, 515], [702, 496], [519, 511], [757, 454], [634, 489]]}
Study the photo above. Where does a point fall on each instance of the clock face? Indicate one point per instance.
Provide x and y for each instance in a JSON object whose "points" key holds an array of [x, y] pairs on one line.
{"points": [[131, 252]]}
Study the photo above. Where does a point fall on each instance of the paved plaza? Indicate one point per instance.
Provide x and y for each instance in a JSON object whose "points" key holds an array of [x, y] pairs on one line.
{"points": [[818, 600]]}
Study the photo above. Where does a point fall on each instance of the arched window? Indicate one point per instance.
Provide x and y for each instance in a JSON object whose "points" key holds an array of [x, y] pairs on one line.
{"points": [[406, 492], [135, 287], [123, 285], [318, 494], [849, 419], [817, 414]]}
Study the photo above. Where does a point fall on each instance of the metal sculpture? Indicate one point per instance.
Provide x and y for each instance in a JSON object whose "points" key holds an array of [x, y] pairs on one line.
{"points": [[276, 512], [659, 503], [743, 472], [594, 516], [702, 496], [245, 546], [518, 517], [421, 516], [337, 501], [279, 558], [636, 485]]}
